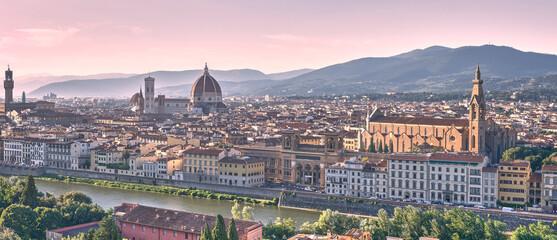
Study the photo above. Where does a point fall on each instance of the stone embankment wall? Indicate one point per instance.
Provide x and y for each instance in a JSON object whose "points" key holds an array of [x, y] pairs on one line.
{"points": [[260, 193]]}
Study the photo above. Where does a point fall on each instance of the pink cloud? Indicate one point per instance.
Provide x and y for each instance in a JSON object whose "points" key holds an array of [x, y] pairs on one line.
{"points": [[47, 37]]}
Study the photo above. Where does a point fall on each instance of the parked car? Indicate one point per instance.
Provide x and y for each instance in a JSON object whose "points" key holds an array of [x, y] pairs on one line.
{"points": [[373, 197], [480, 207], [508, 209], [448, 203], [427, 202]]}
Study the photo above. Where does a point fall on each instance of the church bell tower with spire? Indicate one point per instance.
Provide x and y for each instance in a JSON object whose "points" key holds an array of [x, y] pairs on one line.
{"points": [[8, 86], [477, 116]]}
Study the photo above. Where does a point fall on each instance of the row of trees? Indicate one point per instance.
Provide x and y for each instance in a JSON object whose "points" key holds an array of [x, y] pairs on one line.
{"points": [[219, 231], [31, 213], [412, 223]]}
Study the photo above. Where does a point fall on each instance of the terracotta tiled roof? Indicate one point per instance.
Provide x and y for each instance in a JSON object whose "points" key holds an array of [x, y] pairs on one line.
{"points": [[240, 160], [75, 230], [424, 121], [535, 177], [203, 151], [549, 168], [411, 157], [457, 157], [177, 220]]}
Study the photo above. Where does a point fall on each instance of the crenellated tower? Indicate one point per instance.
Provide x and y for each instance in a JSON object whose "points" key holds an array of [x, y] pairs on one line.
{"points": [[477, 116], [9, 86]]}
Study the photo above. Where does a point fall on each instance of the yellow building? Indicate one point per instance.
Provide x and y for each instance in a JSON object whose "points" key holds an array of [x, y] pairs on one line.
{"points": [[513, 182], [103, 157], [351, 142], [202, 164], [241, 171]]}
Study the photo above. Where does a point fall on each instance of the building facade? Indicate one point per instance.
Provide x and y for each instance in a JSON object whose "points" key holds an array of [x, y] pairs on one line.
{"points": [[477, 134], [513, 182], [241, 171], [136, 221]]}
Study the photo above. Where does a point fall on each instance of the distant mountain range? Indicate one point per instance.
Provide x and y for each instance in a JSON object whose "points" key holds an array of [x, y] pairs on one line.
{"points": [[435, 68]]}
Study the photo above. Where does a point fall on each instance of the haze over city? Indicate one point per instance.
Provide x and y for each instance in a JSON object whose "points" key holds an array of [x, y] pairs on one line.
{"points": [[89, 37], [278, 120]]}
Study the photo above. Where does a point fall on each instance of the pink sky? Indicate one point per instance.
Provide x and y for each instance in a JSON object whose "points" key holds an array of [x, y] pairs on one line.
{"points": [[134, 36]]}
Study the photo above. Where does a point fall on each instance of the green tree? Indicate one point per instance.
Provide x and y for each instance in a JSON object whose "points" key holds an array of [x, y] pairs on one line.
{"points": [[81, 213], [512, 154], [107, 230], [206, 233], [335, 222], [219, 231], [378, 227], [9, 235], [80, 236], [247, 213], [307, 228], [242, 213], [236, 211], [22, 219], [232, 231], [494, 230], [541, 230], [48, 218], [30, 195], [73, 197], [535, 161], [386, 149], [6, 193], [371, 147], [380, 146], [279, 229], [522, 233]]}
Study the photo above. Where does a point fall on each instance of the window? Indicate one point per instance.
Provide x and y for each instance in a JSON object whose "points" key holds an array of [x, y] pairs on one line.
{"points": [[143, 229]]}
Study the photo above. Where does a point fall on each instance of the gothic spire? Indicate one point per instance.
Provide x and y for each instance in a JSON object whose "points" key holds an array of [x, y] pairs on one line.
{"points": [[478, 74]]}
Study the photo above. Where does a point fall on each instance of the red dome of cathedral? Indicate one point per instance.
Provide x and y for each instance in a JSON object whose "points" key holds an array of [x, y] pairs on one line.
{"points": [[205, 84]]}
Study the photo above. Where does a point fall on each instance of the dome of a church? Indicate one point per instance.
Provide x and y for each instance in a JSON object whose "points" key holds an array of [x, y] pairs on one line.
{"points": [[206, 84], [134, 98]]}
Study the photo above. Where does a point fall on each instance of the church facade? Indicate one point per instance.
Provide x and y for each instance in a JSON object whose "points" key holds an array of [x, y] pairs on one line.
{"points": [[205, 98], [475, 134]]}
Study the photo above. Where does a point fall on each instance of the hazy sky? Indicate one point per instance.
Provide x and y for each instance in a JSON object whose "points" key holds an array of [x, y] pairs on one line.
{"points": [[135, 36]]}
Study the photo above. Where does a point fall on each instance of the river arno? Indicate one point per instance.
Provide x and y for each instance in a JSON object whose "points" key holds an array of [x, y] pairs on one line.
{"points": [[109, 198]]}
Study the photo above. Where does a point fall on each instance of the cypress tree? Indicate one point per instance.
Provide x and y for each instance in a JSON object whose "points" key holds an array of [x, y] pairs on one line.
{"points": [[386, 150], [232, 231], [371, 148], [30, 195], [219, 232], [206, 233], [380, 146]]}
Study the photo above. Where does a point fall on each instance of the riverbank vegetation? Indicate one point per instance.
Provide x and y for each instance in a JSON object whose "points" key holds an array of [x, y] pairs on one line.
{"points": [[411, 223], [159, 189], [30, 213]]}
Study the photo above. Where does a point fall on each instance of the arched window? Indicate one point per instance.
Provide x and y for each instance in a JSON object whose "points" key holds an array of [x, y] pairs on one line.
{"points": [[473, 141], [403, 149], [473, 110]]}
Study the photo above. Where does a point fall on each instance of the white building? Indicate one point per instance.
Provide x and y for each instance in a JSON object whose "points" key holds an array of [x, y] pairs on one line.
{"points": [[357, 178], [490, 186], [549, 185], [13, 151]]}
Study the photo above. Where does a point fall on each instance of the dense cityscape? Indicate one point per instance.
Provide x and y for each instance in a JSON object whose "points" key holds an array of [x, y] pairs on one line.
{"points": [[278, 120], [473, 154]]}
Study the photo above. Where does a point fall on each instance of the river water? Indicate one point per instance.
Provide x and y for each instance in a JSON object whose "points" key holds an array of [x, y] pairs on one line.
{"points": [[111, 197]]}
